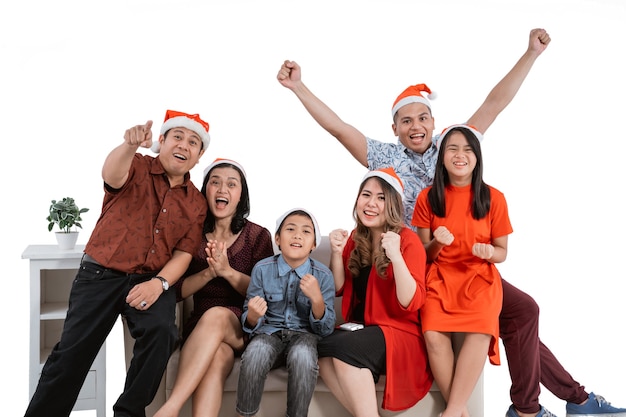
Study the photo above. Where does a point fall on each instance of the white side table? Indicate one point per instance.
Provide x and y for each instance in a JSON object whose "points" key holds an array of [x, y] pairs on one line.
{"points": [[52, 271]]}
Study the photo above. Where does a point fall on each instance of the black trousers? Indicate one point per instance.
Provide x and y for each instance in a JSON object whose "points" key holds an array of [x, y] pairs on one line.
{"points": [[97, 298]]}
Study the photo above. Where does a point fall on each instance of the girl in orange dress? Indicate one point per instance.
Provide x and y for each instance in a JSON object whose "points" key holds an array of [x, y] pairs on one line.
{"points": [[464, 225]]}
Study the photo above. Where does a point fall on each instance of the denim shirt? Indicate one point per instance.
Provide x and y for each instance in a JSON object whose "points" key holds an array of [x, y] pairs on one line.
{"points": [[417, 171], [287, 307]]}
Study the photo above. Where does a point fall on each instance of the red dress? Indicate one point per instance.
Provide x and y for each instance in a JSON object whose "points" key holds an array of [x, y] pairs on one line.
{"points": [[464, 292], [408, 376]]}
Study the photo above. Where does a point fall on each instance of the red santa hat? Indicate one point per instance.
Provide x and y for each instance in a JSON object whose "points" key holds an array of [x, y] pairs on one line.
{"points": [[224, 161], [192, 122], [447, 130], [318, 235], [389, 176], [413, 94]]}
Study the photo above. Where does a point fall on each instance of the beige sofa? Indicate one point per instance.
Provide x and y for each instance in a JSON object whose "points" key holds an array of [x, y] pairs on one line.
{"points": [[274, 399]]}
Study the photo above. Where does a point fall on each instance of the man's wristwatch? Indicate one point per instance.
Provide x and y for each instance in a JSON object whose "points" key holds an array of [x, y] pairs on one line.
{"points": [[166, 285]]}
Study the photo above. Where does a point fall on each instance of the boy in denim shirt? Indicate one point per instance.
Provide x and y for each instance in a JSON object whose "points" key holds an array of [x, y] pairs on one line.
{"points": [[289, 306]]}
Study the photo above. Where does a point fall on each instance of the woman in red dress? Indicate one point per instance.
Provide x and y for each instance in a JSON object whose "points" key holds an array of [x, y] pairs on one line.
{"points": [[379, 268]]}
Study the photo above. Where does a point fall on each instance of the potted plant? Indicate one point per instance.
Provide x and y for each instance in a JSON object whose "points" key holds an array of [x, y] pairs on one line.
{"points": [[66, 215]]}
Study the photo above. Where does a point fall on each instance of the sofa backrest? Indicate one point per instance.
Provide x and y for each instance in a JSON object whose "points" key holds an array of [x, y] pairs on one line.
{"points": [[322, 253]]}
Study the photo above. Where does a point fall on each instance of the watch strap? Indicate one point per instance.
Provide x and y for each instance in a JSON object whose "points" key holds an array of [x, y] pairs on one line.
{"points": [[166, 285]]}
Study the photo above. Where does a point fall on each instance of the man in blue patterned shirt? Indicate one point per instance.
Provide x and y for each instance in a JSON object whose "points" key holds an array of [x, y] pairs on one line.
{"points": [[414, 157]]}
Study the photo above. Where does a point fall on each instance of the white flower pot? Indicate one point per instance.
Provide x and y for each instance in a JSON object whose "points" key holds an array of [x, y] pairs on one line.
{"points": [[66, 241]]}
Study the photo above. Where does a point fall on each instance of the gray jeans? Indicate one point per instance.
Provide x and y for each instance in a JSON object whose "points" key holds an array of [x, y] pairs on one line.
{"points": [[296, 350]]}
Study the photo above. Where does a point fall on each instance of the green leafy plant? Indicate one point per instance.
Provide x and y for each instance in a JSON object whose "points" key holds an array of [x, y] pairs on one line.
{"points": [[66, 214]]}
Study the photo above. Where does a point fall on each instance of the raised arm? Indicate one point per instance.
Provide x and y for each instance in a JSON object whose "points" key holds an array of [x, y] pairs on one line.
{"points": [[404, 280], [353, 140], [502, 94], [117, 164]]}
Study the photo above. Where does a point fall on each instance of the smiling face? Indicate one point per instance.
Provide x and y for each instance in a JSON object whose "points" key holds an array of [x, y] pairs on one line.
{"points": [[296, 238], [414, 126], [223, 191], [370, 205], [181, 150], [459, 159]]}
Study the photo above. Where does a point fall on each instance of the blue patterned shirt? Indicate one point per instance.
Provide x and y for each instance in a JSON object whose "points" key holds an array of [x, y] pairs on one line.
{"points": [[416, 171], [287, 306]]}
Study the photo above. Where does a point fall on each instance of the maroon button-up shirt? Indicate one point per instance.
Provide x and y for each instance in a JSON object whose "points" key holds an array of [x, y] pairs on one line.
{"points": [[144, 221]]}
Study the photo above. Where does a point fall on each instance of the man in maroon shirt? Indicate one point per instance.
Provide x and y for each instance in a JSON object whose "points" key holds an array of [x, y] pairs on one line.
{"points": [[151, 223]]}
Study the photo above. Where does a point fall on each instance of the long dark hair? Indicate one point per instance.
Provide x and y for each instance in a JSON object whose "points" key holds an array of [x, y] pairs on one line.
{"points": [[243, 208], [363, 249], [481, 196]]}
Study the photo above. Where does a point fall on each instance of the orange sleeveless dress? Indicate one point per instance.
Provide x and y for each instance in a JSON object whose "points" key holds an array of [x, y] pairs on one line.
{"points": [[464, 292]]}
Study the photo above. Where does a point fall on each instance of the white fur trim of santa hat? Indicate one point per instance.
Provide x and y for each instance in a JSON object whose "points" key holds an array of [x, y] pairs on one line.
{"points": [[447, 130], [389, 176], [318, 235], [192, 122], [413, 94], [224, 161]]}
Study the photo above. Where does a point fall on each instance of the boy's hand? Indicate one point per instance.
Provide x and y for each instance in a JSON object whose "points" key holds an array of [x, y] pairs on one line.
{"points": [[257, 307], [311, 287]]}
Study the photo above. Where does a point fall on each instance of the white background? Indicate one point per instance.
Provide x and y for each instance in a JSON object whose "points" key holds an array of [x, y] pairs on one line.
{"points": [[75, 75]]}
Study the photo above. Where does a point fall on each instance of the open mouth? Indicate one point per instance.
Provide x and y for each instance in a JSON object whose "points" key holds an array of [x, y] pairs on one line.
{"points": [[221, 202]]}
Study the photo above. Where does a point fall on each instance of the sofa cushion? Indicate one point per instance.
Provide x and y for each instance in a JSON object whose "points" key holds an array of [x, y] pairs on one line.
{"points": [[276, 379]]}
